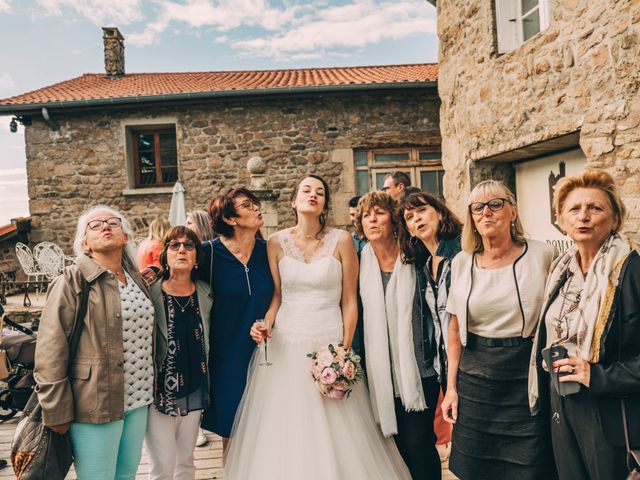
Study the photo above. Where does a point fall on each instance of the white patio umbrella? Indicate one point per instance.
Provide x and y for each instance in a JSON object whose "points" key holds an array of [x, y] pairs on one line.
{"points": [[177, 211]]}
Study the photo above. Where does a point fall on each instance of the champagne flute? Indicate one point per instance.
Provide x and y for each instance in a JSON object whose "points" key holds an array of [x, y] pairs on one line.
{"points": [[265, 362]]}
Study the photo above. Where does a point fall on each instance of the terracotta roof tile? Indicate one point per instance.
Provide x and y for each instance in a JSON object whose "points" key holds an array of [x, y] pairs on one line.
{"points": [[92, 86]]}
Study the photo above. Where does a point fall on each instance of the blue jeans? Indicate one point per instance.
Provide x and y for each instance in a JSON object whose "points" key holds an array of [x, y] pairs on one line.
{"points": [[109, 451]]}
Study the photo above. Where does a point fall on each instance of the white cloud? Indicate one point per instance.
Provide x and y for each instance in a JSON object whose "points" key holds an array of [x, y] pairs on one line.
{"points": [[223, 15], [4, 6], [6, 81], [355, 25], [288, 29], [99, 12]]}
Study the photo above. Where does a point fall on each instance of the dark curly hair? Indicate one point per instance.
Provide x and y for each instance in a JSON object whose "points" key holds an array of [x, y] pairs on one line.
{"points": [[449, 227]]}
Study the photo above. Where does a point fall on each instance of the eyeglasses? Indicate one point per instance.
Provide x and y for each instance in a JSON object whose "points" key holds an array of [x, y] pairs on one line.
{"points": [[188, 246], [495, 204], [247, 205], [112, 222]]}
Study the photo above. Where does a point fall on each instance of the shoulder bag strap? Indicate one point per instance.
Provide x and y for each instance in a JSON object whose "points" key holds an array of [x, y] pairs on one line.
{"points": [[78, 325]]}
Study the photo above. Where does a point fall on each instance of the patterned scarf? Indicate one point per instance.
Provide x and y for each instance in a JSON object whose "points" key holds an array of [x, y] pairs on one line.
{"points": [[184, 368]]}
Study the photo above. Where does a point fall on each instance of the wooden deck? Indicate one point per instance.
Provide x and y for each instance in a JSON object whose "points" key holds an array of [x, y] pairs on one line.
{"points": [[208, 457]]}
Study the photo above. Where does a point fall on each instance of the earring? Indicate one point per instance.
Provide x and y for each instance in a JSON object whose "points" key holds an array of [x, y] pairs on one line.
{"points": [[413, 240], [195, 267]]}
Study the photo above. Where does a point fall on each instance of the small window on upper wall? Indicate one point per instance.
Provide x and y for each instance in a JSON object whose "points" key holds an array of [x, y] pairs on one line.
{"points": [[519, 20], [155, 157]]}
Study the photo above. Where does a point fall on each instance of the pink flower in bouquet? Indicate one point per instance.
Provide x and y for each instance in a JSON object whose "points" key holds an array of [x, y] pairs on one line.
{"points": [[349, 370], [336, 394], [341, 385], [325, 358], [341, 354], [328, 376], [316, 369]]}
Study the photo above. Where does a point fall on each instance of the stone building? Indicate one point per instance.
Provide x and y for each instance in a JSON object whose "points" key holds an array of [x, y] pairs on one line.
{"points": [[534, 89], [123, 139]]}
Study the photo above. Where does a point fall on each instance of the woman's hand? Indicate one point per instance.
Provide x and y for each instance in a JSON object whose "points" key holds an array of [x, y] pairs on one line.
{"points": [[579, 370], [61, 429], [259, 331], [150, 274], [450, 406]]}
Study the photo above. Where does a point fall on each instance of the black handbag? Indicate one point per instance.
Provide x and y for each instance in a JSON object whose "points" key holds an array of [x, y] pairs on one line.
{"points": [[37, 452], [633, 456]]}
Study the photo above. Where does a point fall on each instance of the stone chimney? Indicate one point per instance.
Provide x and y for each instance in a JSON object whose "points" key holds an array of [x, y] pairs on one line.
{"points": [[113, 51]]}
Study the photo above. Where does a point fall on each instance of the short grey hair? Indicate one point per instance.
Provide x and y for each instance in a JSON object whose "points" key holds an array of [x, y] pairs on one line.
{"points": [[129, 251]]}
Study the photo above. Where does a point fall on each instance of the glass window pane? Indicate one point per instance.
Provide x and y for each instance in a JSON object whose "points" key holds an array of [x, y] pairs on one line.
{"points": [[530, 25], [167, 144], [527, 5], [169, 174], [145, 142], [430, 155], [362, 182], [392, 157], [429, 181], [147, 166], [441, 183], [380, 180], [361, 158]]}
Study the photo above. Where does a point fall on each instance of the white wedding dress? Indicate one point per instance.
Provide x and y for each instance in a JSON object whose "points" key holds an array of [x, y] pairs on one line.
{"points": [[284, 428]]}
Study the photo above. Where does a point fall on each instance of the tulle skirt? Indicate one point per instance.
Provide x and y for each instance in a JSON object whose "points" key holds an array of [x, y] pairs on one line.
{"points": [[285, 429]]}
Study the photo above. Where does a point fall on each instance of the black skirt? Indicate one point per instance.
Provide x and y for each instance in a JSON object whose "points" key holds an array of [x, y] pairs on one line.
{"points": [[495, 436]]}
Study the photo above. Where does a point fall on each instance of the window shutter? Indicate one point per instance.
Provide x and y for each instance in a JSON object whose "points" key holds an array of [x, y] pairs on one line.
{"points": [[506, 25], [545, 14]]}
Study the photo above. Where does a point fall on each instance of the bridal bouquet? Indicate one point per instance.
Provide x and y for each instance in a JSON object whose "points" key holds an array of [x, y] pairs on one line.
{"points": [[334, 370]]}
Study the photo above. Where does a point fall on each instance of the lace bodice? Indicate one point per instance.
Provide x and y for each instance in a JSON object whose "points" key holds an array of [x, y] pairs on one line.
{"points": [[311, 289], [327, 245]]}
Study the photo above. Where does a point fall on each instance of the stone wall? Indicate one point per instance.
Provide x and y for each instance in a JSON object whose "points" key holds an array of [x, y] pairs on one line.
{"points": [[579, 74], [85, 162]]}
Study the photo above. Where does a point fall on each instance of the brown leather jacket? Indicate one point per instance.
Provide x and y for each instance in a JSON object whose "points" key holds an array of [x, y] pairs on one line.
{"points": [[94, 393]]}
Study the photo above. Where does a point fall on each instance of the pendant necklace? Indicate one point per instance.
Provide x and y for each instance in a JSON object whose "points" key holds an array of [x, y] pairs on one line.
{"points": [[182, 307]]}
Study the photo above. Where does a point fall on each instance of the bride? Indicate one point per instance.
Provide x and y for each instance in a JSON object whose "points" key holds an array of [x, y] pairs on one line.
{"points": [[284, 428]]}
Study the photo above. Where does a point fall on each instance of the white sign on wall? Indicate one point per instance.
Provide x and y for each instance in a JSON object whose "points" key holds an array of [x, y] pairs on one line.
{"points": [[535, 181]]}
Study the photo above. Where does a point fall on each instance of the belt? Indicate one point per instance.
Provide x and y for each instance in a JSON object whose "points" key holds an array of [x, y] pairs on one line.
{"points": [[473, 339]]}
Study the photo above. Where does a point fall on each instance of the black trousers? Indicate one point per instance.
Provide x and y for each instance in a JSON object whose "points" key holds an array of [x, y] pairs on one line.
{"points": [[579, 446], [416, 439]]}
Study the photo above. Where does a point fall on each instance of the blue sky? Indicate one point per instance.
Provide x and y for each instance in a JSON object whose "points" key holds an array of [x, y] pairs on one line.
{"points": [[47, 41]]}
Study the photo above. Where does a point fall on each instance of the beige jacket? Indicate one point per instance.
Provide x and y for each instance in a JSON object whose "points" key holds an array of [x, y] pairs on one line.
{"points": [[94, 390]]}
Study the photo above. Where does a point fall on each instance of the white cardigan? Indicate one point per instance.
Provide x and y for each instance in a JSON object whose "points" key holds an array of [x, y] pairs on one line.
{"points": [[530, 271]]}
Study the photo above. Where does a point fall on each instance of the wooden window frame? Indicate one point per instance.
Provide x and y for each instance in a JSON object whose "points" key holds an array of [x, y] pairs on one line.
{"points": [[413, 165], [134, 135]]}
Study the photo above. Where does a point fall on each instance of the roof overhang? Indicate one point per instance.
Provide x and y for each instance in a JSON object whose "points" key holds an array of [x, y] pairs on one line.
{"points": [[538, 149], [36, 108]]}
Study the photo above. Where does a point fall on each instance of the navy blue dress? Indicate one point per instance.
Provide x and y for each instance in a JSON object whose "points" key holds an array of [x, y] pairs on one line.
{"points": [[240, 297]]}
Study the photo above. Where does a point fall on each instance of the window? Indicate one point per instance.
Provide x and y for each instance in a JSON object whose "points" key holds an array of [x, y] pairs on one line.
{"points": [[519, 20], [423, 166], [155, 157]]}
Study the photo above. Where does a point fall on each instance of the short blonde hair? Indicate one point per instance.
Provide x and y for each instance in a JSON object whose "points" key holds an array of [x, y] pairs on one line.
{"points": [[376, 199], [471, 240], [598, 179]]}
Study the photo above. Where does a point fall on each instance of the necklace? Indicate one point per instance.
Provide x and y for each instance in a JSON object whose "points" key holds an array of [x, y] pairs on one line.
{"points": [[498, 260], [572, 307], [182, 307], [237, 250]]}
